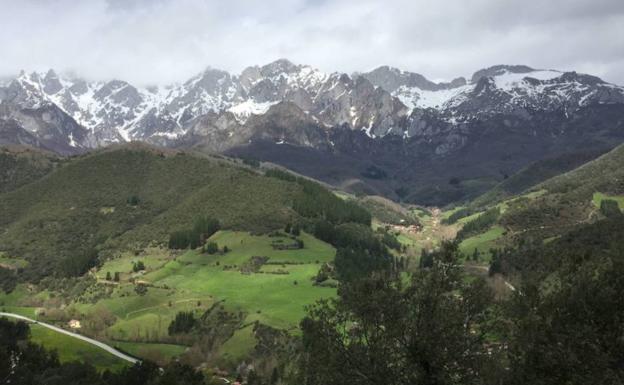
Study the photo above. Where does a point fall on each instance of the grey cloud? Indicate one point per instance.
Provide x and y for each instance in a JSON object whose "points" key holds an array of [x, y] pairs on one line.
{"points": [[147, 42]]}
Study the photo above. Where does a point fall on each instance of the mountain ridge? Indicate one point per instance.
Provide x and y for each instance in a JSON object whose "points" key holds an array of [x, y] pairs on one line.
{"points": [[418, 132], [383, 101]]}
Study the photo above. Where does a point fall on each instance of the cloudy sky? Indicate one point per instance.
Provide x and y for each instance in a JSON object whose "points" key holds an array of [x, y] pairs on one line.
{"points": [[161, 41]]}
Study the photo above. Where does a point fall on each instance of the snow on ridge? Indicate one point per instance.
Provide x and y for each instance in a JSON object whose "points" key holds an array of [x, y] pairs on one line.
{"points": [[414, 97], [510, 80], [244, 110]]}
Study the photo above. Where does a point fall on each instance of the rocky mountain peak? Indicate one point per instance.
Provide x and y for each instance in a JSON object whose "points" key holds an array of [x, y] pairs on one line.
{"points": [[390, 79], [384, 101], [500, 70], [277, 67], [51, 83]]}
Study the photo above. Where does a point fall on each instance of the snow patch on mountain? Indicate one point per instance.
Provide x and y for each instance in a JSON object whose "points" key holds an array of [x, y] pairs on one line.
{"points": [[510, 80], [246, 109], [414, 97], [377, 103]]}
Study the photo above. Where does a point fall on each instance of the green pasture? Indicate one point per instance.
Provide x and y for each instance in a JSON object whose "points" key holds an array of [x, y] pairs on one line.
{"points": [[72, 349], [482, 242]]}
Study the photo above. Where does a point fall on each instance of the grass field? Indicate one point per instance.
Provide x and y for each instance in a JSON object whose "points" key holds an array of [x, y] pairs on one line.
{"points": [[482, 242], [152, 258], [194, 281], [599, 197], [238, 347], [275, 293], [12, 263], [152, 351], [72, 349]]}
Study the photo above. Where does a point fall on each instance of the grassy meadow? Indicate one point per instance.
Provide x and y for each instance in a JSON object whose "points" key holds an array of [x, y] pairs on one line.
{"points": [[72, 349], [275, 294]]}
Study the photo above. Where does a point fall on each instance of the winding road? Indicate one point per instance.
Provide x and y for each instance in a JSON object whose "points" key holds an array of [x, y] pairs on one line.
{"points": [[91, 341]]}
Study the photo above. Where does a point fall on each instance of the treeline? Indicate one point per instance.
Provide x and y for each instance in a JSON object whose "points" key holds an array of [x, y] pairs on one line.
{"points": [[457, 215], [319, 203], [25, 363], [203, 228], [479, 224], [358, 251], [599, 240], [345, 225], [79, 263]]}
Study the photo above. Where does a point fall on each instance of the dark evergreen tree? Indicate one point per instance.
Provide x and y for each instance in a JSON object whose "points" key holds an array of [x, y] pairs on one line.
{"points": [[8, 280], [211, 248], [138, 266], [183, 323]]}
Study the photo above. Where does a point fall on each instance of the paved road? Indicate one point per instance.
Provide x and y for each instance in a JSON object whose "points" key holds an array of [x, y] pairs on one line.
{"points": [[99, 344]]}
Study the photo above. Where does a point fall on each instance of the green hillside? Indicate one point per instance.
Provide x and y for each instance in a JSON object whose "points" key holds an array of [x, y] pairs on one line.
{"points": [[534, 174], [131, 196], [548, 210], [22, 165], [568, 200], [100, 239]]}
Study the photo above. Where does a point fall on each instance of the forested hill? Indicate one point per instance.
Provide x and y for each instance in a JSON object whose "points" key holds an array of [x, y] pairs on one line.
{"points": [[123, 197], [20, 165]]}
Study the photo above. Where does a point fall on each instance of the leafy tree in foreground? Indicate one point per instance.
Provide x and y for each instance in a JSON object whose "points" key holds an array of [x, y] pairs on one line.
{"points": [[569, 331], [379, 332]]}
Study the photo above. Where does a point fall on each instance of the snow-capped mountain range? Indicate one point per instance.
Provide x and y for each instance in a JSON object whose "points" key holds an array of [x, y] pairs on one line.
{"points": [[71, 113]]}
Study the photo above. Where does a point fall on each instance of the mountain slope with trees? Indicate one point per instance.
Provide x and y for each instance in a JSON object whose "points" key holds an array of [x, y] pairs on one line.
{"points": [[129, 196]]}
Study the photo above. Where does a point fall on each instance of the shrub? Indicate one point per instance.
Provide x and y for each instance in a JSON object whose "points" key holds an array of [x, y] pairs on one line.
{"points": [[211, 248], [133, 200], [138, 266], [140, 289]]}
